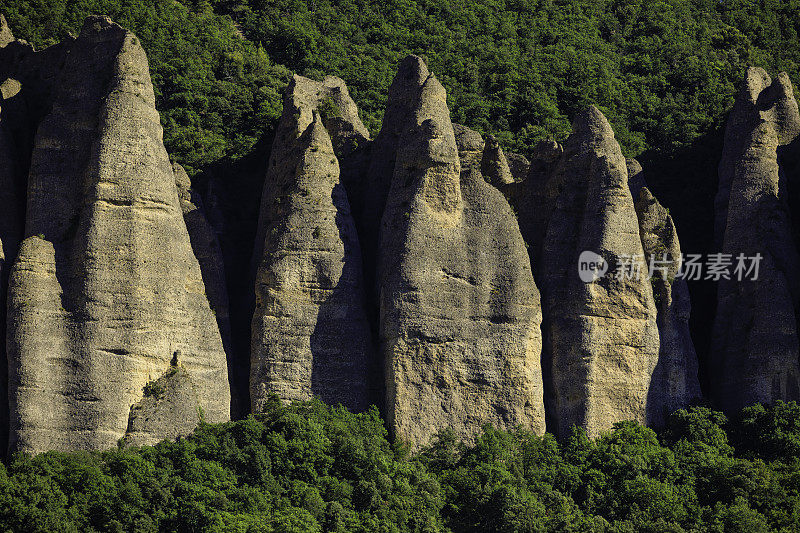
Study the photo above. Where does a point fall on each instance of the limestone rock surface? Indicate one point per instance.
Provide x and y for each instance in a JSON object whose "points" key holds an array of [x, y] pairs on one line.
{"points": [[105, 290], [674, 384], [494, 165], [754, 355], [460, 311], [601, 337], [310, 334]]}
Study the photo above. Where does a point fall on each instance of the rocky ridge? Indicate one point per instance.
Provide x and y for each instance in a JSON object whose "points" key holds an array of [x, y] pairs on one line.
{"points": [[403, 271]]}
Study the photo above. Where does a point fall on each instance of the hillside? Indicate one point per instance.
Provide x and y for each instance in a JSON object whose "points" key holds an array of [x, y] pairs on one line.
{"points": [[664, 73]]}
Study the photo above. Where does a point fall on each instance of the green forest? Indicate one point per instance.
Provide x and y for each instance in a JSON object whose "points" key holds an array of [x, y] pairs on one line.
{"points": [[663, 71], [311, 468]]}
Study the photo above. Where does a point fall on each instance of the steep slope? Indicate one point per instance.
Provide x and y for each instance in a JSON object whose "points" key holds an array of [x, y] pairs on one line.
{"points": [[754, 355], [310, 334], [460, 312], [106, 294]]}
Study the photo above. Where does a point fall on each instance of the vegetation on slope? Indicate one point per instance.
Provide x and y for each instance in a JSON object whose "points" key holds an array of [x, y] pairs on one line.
{"points": [[664, 71], [309, 467]]}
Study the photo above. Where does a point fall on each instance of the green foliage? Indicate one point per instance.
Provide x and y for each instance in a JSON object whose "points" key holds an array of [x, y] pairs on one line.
{"points": [[329, 109], [154, 389], [665, 72], [305, 467], [309, 467]]}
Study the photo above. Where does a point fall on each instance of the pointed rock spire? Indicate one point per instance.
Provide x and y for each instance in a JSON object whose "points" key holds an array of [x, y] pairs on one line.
{"points": [[754, 355], [310, 335], [105, 290], [601, 335], [494, 165], [460, 312]]}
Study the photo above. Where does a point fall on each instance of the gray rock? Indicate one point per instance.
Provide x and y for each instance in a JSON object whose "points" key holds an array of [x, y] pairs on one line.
{"points": [[105, 289], [494, 166], [601, 337], [169, 409], [754, 356], [674, 384], [310, 335], [519, 166], [460, 312]]}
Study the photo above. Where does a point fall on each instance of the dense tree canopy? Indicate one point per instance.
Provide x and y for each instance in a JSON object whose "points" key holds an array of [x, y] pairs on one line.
{"points": [[664, 71], [308, 467]]}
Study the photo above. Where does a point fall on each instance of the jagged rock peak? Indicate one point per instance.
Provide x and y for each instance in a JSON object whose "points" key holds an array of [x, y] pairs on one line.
{"points": [[456, 288], [761, 102], [338, 110], [754, 355], [591, 127], [310, 334], [107, 260]]}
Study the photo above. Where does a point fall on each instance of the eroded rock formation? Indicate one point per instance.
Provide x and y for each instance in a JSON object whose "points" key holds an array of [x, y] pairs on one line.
{"points": [[310, 334], [460, 312], [755, 341], [105, 292], [390, 271], [494, 165], [674, 384]]}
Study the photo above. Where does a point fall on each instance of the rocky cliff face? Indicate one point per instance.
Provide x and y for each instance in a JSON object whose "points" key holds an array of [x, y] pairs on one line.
{"points": [[460, 312], [105, 295], [391, 271], [755, 340], [310, 335], [602, 336], [674, 383]]}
